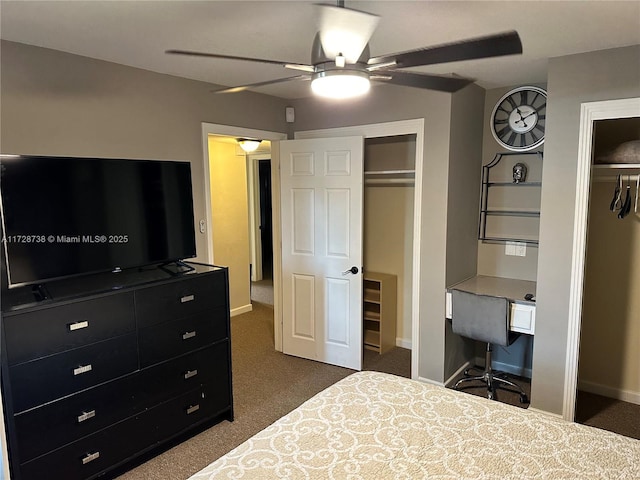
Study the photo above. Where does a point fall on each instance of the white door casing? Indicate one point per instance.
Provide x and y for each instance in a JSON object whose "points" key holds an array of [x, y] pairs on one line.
{"points": [[590, 112], [321, 219]]}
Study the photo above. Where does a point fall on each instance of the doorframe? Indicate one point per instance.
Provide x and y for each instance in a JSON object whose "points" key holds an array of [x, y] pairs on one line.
{"points": [[255, 238], [388, 129], [225, 131], [589, 113]]}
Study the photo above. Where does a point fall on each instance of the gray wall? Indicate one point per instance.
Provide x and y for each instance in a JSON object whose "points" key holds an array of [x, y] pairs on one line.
{"points": [[55, 103], [463, 204], [491, 258], [465, 167], [572, 80]]}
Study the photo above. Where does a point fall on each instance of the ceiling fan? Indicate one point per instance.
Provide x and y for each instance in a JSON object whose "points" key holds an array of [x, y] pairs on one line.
{"points": [[341, 65]]}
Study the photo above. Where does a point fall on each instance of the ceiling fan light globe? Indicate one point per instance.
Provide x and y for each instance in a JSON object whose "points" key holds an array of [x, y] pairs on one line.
{"points": [[340, 84], [249, 145]]}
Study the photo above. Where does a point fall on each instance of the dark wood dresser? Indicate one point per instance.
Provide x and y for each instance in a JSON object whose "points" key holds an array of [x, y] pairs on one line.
{"points": [[113, 367]]}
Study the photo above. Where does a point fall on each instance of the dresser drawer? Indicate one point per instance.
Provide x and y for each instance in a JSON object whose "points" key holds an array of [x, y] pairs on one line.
{"points": [[53, 425], [180, 414], [180, 299], [92, 455], [162, 342], [40, 381], [39, 333], [170, 379]]}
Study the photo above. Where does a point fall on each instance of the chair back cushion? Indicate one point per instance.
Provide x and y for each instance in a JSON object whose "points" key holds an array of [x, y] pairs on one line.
{"points": [[480, 317]]}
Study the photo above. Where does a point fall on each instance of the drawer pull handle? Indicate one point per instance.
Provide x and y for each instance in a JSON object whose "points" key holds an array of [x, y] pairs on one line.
{"points": [[86, 416], [82, 369], [192, 409], [90, 457], [187, 298], [190, 373], [78, 325], [188, 335]]}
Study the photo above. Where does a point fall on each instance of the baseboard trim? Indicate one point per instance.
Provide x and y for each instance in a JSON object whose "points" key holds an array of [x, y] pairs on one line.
{"points": [[241, 310], [611, 392], [404, 343], [507, 368], [458, 372]]}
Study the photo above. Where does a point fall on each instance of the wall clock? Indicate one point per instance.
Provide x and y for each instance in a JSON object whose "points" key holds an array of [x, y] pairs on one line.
{"points": [[518, 119]]}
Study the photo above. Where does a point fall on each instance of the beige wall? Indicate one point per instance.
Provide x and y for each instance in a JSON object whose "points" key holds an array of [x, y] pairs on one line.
{"points": [[55, 103], [230, 219], [609, 353], [572, 80]]}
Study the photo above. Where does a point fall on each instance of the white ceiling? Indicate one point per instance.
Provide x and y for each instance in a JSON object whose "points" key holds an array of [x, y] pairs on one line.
{"points": [[137, 33]]}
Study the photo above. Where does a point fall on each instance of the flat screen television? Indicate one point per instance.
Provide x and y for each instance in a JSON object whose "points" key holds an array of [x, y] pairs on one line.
{"points": [[65, 216]]}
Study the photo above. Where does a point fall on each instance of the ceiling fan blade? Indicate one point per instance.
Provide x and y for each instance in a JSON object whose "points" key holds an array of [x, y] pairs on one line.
{"points": [[345, 32], [242, 88], [507, 43], [294, 66], [422, 80]]}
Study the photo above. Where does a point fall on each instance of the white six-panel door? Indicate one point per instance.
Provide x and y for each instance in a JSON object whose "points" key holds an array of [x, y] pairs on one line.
{"points": [[321, 201]]}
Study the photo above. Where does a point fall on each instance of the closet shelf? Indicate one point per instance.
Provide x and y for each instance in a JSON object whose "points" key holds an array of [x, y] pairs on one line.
{"points": [[617, 166], [511, 184], [504, 240]]}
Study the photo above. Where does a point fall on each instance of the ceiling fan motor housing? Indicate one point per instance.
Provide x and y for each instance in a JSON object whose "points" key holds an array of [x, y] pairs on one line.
{"points": [[318, 56]]}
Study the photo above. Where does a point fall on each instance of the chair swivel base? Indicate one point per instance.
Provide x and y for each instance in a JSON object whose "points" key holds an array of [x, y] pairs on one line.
{"points": [[494, 380]]}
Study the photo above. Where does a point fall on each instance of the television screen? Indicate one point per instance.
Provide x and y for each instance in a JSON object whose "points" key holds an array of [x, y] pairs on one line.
{"points": [[68, 216]]}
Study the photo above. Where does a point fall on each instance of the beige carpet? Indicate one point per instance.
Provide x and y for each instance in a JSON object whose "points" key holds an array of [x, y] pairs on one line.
{"points": [[266, 385], [608, 414]]}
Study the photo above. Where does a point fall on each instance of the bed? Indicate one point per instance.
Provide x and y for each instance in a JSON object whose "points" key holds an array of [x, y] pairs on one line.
{"points": [[377, 426]]}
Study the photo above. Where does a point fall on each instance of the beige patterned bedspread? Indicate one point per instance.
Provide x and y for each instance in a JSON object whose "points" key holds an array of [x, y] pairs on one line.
{"points": [[377, 426]]}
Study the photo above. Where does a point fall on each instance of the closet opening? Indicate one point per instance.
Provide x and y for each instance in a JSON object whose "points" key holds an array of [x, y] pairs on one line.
{"points": [[608, 393], [389, 190]]}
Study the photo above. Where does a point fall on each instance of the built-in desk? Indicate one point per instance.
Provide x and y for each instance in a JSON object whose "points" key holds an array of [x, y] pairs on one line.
{"points": [[523, 312]]}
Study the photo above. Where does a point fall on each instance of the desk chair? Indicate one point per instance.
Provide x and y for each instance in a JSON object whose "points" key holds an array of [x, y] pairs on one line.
{"points": [[484, 318]]}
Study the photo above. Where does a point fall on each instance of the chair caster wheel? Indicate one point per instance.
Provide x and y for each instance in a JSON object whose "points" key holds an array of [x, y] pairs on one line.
{"points": [[524, 398]]}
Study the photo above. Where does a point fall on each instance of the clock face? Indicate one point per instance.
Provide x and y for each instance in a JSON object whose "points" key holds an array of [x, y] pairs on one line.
{"points": [[518, 119]]}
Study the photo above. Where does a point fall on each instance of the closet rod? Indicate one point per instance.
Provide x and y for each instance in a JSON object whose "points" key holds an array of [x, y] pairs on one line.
{"points": [[614, 178], [389, 181]]}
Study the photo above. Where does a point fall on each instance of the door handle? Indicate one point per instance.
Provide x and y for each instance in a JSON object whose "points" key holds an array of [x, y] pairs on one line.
{"points": [[352, 270]]}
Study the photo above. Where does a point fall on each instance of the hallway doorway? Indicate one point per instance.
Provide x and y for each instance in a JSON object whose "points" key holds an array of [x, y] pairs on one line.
{"points": [[260, 198]]}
